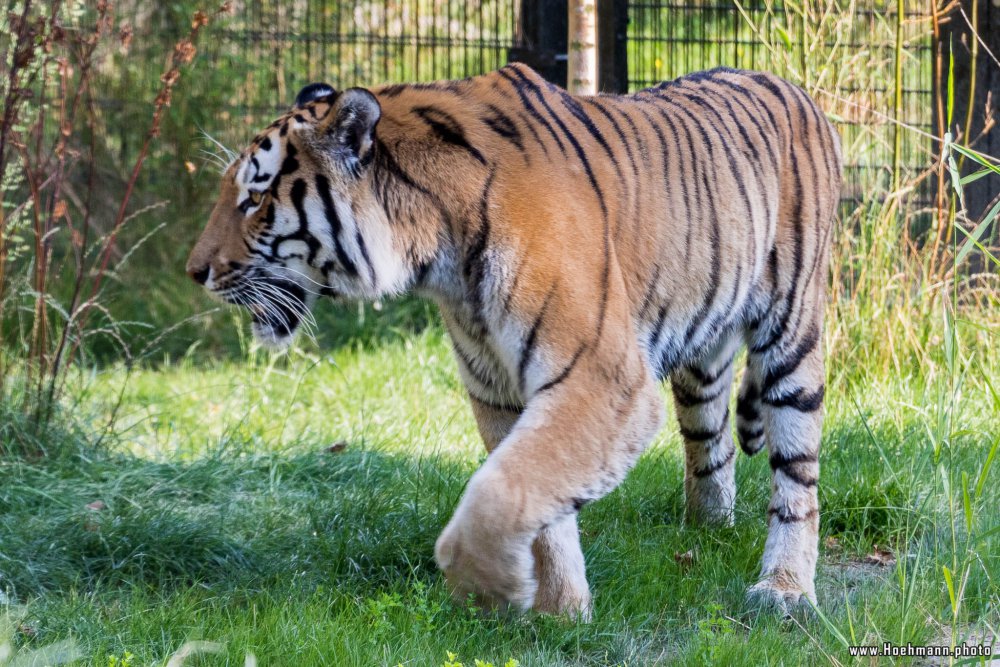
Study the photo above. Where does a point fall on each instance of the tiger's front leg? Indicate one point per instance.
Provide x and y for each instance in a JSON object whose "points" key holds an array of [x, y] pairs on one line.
{"points": [[580, 433], [559, 566]]}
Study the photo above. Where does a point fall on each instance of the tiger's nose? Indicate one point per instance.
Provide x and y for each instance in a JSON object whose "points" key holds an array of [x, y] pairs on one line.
{"points": [[199, 274]]}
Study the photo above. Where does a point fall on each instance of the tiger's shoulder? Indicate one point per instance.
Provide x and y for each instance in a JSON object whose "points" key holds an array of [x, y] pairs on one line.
{"points": [[513, 108]]}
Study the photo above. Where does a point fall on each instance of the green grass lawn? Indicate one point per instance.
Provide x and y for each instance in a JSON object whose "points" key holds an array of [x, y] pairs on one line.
{"points": [[215, 510]]}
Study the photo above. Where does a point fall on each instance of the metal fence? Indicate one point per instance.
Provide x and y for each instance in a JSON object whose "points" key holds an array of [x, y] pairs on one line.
{"points": [[251, 64], [854, 46], [277, 46]]}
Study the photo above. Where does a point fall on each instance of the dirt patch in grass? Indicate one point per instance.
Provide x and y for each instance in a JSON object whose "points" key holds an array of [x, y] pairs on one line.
{"points": [[843, 578]]}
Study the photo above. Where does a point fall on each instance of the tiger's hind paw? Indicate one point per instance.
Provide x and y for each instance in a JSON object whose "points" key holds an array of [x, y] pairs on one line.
{"points": [[775, 595], [572, 603]]}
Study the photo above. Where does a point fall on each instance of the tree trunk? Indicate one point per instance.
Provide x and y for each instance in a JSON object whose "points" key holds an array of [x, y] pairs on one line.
{"points": [[582, 76]]}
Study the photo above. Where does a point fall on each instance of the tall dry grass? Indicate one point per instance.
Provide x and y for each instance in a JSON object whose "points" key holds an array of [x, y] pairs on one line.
{"points": [[58, 234], [903, 258]]}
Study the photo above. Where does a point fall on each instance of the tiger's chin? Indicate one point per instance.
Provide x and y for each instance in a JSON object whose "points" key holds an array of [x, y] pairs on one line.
{"points": [[276, 320], [272, 334]]}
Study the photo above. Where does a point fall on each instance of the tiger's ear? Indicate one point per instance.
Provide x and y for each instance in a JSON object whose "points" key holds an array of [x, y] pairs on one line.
{"points": [[313, 92], [350, 127]]}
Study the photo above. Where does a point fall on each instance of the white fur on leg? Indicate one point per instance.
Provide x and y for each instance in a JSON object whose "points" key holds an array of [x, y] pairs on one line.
{"points": [[559, 566], [788, 567], [485, 549], [701, 396], [711, 499]]}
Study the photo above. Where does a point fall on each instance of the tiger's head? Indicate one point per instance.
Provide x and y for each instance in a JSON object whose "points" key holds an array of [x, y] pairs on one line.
{"points": [[297, 217]]}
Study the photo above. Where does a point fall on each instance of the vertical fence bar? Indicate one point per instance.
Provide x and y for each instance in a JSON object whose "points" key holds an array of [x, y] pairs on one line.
{"points": [[977, 82], [897, 135], [612, 46]]}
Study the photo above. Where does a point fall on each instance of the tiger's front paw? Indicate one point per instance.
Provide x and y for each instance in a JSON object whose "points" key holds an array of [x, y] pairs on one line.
{"points": [[485, 549]]}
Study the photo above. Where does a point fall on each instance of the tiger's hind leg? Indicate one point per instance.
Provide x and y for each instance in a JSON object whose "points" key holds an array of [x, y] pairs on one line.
{"points": [[787, 368], [749, 423], [701, 397]]}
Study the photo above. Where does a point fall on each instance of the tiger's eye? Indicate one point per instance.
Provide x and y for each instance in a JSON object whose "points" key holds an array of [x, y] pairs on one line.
{"points": [[256, 197]]}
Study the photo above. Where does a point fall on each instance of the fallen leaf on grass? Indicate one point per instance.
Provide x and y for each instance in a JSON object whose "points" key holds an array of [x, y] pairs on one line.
{"points": [[336, 447], [881, 556], [684, 559], [96, 506]]}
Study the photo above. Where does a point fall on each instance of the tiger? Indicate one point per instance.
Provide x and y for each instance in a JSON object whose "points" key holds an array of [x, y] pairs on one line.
{"points": [[581, 250]]}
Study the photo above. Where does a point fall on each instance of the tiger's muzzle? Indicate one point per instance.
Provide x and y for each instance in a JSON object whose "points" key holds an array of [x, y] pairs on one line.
{"points": [[277, 305]]}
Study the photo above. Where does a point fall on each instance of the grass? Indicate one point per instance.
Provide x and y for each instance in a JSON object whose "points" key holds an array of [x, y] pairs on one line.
{"points": [[221, 514]]}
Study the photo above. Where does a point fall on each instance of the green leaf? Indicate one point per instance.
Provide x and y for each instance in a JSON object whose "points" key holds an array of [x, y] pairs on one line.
{"points": [[829, 625], [966, 502], [975, 176], [986, 467], [956, 177], [951, 586], [978, 158], [983, 249], [949, 338], [785, 37], [951, 80], [944, 478], [987, 535], [977, 233], [989, 384]]}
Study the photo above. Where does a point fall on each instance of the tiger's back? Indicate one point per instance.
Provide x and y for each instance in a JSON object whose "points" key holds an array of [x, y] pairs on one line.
{"points": [[713, 192]]}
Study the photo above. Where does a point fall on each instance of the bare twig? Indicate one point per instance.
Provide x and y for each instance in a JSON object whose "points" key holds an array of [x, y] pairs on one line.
{"points": [[184, 52]]}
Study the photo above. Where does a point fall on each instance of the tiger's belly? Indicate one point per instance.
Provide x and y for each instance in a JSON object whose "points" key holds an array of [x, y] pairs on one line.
{"points": [[691, 289], [672, 332], [480, 356]]}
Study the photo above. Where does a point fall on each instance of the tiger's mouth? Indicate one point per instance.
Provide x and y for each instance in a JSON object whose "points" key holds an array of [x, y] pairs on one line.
{"points": [[277, 308], [275, 323]]}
